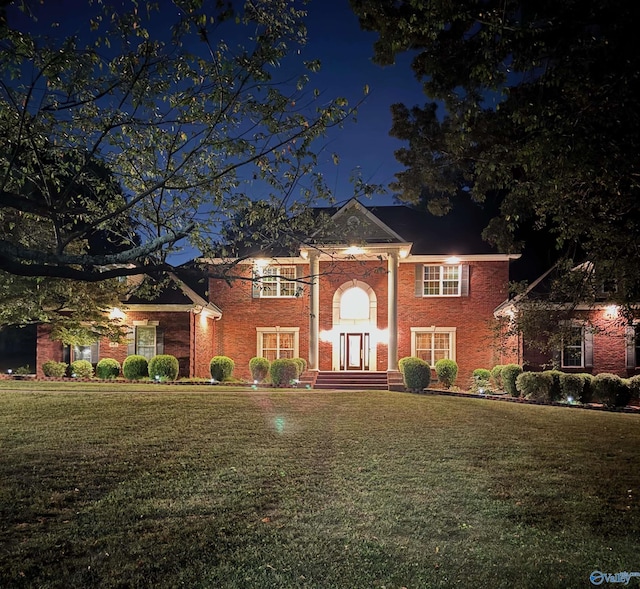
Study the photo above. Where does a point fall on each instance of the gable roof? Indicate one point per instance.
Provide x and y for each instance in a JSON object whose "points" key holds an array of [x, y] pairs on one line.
{"points": [[459, 232], [177, 292]]}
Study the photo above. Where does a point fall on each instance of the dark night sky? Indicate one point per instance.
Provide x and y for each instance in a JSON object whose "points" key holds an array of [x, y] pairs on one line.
{"points": [[345, 52]]}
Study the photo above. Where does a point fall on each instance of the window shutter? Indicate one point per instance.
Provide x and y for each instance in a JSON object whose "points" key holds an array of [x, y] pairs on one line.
{"points": [[66, 354], [556, 359], [630, 339], [588, 347], [419, 280], [94, 353], [464, 280], [255, 286], [131, 341], [159, 341]]}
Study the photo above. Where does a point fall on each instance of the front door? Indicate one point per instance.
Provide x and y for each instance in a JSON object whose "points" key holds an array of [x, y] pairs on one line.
{"points": [[355, 351]]}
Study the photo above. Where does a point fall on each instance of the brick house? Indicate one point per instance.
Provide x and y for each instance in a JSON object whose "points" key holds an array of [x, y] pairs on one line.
{"points": [[384, 283], [179, 321], [591, 338]]}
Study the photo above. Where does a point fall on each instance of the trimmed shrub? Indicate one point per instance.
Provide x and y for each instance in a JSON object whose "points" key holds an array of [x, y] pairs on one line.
{"points": [[108, 368], [447, 371], [611, 390], [587, 389], [416, 374], [301, 363], [283, 372], [536, 386], [221, 367], [634, 387], [259, 368], [402, 362], [509, 374], [556, 391], [135, 367], [481, 374], [163, 367], [81, 369], [496, 376], [54, 369], [571, 386]]}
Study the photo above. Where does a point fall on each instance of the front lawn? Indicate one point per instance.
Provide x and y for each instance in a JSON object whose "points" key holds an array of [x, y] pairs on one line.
{"points": [[211, 489]]}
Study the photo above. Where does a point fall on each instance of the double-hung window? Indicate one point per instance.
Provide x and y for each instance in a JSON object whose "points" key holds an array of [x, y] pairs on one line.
{"points": [[278, 342], [433, 344], [276, 281], [573, 347], [146, 341], [446, 280]]}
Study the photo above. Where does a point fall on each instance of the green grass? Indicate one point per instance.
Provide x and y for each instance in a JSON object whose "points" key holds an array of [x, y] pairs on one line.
{"points": [[295, 489]]}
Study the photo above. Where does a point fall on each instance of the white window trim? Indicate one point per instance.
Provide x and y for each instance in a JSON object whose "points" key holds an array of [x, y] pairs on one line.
{"points": [[155, 338], [441, 286], [260, 331], [260, 273], [582, 350], [432, 329]]}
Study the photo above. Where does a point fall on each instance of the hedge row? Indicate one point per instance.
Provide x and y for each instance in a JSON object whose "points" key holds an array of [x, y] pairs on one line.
{"points": [[162, 367]]}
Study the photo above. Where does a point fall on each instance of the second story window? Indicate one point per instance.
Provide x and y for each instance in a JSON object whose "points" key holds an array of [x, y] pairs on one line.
{"points": [[441, 281], [276, 281]]}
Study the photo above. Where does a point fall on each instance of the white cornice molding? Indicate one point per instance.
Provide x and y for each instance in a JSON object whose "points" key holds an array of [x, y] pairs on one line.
{"points": [[432, 259]]}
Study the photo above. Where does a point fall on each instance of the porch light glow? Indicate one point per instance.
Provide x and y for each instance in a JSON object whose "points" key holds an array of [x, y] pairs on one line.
{"points": [[354, 250], [261, 263], [116, 314], [611, 311], [404, 253], [452, 260]]}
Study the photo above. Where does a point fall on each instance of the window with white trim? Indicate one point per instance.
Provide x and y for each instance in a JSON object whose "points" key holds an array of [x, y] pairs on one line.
{"points": [[433, 343], [278, 342], [277, 281], [441, 281], [573, 347], [146, 341]]}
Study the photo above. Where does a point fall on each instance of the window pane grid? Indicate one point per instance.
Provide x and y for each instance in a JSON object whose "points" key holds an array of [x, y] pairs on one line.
{"points": [[277, 345], [432, 347], [278, 281], [573, 349], [441, 281]]}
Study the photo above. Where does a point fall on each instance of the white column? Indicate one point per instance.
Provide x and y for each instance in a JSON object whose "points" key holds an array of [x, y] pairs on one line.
{"points": [[392, 314], [314, 310]]}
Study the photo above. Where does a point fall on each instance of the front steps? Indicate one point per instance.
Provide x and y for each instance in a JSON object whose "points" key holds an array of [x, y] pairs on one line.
{"points": [[352, 380]]}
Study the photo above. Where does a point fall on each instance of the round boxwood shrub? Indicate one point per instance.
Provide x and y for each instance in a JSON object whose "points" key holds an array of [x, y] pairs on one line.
{"points": [[634, 386], [54, 369], [611, 390], [259, 368], [283, 372], [402, 362], [447, 371], [571, 387], [535, 385], [163, 367], [416, 374], [481, 374], [221, 367], [135, 367], [496, 377], [509, 374], [81, 369], [302, 365], [108, 368]]}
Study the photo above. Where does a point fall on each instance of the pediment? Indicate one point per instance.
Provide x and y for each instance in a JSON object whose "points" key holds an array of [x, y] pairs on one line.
{"points": [[355, 223]]}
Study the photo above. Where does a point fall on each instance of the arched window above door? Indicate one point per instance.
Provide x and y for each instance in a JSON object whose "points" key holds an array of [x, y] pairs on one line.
{"points": [[354, 304]]}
